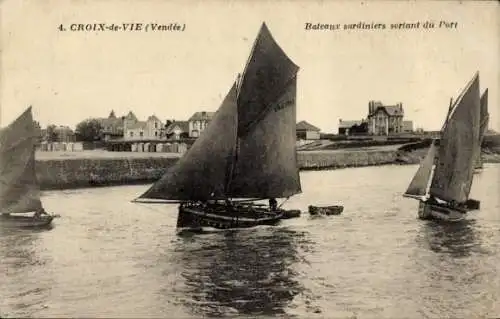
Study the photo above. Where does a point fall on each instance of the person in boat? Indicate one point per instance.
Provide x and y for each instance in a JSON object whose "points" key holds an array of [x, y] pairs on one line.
{"points": [[273, 204], [39, 213], [432, 200]]}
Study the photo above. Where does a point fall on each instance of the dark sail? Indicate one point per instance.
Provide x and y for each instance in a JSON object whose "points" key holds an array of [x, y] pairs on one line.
{"points": [[418, 185], [248, 150], [484, 114], [483, 127], [19, 189], [453, 174], [202, 172], [266, 166]]}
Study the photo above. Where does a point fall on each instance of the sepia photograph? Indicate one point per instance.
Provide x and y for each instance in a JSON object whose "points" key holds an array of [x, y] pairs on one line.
{"points": [[249, 159]]}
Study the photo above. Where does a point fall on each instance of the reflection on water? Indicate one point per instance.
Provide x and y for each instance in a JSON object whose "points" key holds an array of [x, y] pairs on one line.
{"points": [[457, 239], [19, 250], [109, 258], [454, 257], [240, 271]]}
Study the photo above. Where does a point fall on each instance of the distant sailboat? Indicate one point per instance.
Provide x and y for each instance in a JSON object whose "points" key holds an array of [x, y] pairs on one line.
{"points": [[247, 153], [19, 189], [485, 117], [443, 192]]}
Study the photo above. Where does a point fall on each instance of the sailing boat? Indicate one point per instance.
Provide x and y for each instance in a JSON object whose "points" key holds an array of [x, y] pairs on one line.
{"points": [[443, 180], [246, 154], [19, 189], [484, 116]]}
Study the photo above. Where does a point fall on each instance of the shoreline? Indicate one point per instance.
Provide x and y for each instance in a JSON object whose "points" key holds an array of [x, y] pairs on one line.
{"points": [[90, 169]]}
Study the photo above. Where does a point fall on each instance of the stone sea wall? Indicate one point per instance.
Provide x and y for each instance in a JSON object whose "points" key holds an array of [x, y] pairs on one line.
{"points": [[67, 173], [341, 159], [92, 172]]}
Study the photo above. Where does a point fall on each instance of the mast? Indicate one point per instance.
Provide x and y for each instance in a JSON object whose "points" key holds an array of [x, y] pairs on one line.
{"points": [[234, 156]]}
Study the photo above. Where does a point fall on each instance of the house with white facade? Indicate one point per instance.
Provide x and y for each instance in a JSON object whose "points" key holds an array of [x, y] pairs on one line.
{"points": [[176, 129], [385, 119], [133, 129], [198, 122]]}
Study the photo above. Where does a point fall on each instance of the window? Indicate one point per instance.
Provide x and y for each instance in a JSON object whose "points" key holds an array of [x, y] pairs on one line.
{"points": [[156, 133], [156, 124], [131, 134], [141, 134]]}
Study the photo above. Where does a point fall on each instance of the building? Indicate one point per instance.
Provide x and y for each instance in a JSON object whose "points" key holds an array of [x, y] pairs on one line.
{"points": [[353, 127], [307, 131], [175, 130], [198, 122], [408, 126], [64, 134], [133, 129], [385, 119], [112, 126]]}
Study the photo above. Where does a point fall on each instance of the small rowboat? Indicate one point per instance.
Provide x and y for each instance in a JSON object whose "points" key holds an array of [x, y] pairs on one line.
{"points": [[326, 210]]}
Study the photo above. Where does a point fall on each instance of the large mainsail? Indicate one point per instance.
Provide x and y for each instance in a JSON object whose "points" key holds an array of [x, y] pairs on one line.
{"points": [[248, 149], [266, 164], [419, 183], [19, 189], [452, 179]]}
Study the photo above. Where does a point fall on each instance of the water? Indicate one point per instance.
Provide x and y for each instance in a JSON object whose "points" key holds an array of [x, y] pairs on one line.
{"points": [[107, 257]]}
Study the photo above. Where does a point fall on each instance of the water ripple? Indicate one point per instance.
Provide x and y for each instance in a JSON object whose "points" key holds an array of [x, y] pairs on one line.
{"points": [[107, 257]]}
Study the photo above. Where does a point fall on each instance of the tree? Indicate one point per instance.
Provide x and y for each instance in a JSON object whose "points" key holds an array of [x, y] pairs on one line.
{"points": [[89, 130], [51, 134]]}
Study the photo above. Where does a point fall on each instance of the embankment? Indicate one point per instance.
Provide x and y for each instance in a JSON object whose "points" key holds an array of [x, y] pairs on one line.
{"points": [[91, 172], [120, 168], [110, 168]]}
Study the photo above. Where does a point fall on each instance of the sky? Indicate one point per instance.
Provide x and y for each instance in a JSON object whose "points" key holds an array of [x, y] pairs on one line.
{"points": [[70, 76]]}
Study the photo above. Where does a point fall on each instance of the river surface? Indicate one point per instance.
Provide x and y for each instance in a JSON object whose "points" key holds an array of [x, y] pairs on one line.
{"points": [[108, 257]]}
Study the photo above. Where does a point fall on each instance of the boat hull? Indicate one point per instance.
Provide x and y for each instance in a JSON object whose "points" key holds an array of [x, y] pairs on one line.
{"points": [[472, 204], [197, 217], [327, 210], [427, 211], [25, 221]]}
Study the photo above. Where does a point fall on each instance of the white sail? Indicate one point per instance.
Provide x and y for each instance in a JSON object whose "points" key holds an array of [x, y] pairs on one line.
{"points": [[419, 183]]}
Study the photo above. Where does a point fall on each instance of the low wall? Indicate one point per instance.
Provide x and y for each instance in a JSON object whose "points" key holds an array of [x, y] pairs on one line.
{"points": [[76, 173], [341, 159], [67, 173]]}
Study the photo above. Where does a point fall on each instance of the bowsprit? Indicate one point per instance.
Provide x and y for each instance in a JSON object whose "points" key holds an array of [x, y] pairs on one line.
{"points": [[88, 27]]}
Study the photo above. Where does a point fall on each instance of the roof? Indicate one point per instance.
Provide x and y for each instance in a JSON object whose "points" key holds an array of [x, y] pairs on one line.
{"points": [[105, 122], [183, 125], [391, 110], [153, 118], [304, 126], [137, 125], [349, 124], [131, 116], [197, 116]]}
